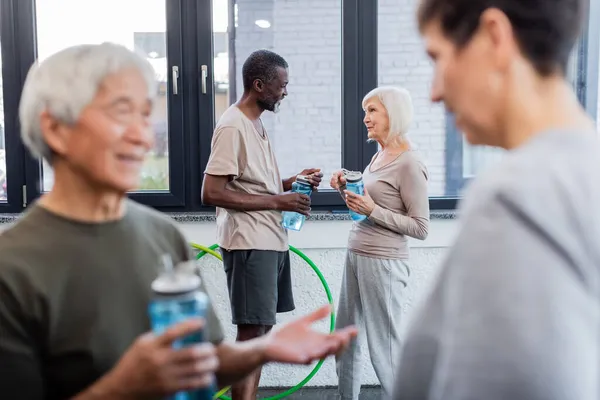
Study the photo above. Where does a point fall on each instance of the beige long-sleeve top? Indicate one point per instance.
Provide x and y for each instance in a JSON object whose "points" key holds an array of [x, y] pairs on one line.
{"points": [[399, 190]]}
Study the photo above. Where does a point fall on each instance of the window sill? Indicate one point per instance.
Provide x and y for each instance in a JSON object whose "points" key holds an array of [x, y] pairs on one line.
{"points": [[193, 217], [315, 216]]}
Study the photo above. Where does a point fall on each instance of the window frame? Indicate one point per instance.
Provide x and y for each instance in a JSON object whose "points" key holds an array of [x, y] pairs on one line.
{"points": [[358, 37], [27, 54], [11, 78]]}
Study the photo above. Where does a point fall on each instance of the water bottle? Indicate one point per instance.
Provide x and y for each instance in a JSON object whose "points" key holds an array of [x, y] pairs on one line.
{"points": [[291, 219], [177, 297], [354, 183]]}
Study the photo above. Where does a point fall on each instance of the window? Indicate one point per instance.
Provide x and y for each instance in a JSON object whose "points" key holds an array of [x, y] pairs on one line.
{"points": [[145, 34], [155, 33], [451, 161], [225, 27], [306, 133], [11, 161], [337, 51], [316, 126]]}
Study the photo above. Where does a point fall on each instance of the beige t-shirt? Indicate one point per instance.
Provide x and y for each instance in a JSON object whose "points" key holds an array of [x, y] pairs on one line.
{"points": [[240, 151], [399, 190]]}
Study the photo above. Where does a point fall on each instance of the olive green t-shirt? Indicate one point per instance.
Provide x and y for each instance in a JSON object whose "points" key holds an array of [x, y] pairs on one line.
{"points": [[74, 296]]}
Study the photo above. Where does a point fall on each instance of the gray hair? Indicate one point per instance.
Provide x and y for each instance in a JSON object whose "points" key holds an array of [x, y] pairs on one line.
{"points": [[398, 103], [67, 82]]}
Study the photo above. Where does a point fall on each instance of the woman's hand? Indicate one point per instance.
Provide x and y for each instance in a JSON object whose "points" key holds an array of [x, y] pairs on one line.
{"points": [[337, 180], [363, 205]]}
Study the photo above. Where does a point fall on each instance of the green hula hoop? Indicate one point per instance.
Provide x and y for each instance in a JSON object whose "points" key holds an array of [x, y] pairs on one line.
{"points": [[211, 250]]}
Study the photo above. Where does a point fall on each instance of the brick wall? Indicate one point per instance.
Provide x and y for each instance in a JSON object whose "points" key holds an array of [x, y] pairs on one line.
{"points": [[307, 33], [250, 37]]}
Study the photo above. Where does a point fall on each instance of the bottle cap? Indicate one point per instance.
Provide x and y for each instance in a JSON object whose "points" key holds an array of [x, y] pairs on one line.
{"points": [[175, 280], [352, 176]]}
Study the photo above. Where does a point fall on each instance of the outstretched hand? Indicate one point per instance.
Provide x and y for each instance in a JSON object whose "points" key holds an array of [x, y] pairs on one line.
{"points": [[297, 343]]}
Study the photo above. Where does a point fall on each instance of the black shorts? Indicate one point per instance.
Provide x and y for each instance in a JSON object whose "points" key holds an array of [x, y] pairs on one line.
{"points": [[260, 285]]}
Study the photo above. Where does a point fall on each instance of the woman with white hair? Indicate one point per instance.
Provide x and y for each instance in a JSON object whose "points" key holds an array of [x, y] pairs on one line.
{"points": [[76, 269], [376, 270]]}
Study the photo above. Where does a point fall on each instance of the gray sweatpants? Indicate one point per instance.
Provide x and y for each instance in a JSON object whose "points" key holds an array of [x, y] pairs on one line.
{"points": [[371, 298]]}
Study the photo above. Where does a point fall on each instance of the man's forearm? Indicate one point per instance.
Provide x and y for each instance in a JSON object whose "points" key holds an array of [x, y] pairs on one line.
{"points": [[287, 183], [241, 201], [237, 360]]}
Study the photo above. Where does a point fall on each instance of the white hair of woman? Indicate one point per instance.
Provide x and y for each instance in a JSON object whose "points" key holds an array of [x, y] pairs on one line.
{"points": [[398, 103], [66, 82]]}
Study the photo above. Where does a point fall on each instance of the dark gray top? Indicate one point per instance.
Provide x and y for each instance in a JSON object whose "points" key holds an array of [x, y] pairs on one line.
{"points": [[515, 312], [74, 296]]}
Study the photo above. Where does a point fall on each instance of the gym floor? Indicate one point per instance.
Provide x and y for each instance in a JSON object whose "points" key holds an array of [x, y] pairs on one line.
{"points": [[323, 393]]}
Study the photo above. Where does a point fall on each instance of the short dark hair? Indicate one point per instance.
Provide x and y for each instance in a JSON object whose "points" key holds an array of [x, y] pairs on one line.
{"points": [[261, 64], [546, 30]]}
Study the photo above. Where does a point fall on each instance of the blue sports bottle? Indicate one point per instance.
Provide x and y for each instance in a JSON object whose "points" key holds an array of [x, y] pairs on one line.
{"points": [[177, 296], [354, 183], [291, 219]]}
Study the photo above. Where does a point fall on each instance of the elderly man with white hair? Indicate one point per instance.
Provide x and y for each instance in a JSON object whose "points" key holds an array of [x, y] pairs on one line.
{"points": [[376, 271], [76, 269]]}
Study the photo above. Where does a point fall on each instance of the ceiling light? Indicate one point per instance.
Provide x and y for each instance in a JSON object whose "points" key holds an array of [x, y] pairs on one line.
{"points": [[262, 23]]}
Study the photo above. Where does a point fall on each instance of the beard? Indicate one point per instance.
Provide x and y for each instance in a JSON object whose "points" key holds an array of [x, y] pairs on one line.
{"points": [[270, 105], [276, 107]]}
